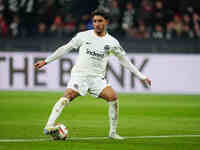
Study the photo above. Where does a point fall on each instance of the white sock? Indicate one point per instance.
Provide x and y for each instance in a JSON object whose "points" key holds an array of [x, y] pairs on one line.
{"points": [[113, 116], [56, 111]]}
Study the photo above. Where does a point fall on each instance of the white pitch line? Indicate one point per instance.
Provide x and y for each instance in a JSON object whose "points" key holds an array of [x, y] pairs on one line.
{"points": [[135, 137], [97, 138], [23, 140]]}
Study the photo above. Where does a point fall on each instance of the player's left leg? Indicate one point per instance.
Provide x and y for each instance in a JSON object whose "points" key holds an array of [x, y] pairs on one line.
{"points": [[111, 97]]}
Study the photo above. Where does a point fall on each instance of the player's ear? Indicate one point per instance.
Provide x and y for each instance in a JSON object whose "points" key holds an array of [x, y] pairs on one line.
{"points": [[107, 21]]}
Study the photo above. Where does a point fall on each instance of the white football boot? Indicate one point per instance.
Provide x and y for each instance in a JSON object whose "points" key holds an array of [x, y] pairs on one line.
{"points": [[53, 131], [114, 135]]}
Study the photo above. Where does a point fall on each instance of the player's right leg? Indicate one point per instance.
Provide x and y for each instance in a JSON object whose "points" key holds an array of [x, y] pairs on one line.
{"points": [[50, 127]]}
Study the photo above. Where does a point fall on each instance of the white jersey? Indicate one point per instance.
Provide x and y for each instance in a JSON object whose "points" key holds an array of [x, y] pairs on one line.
{"points": [[93, 52]]}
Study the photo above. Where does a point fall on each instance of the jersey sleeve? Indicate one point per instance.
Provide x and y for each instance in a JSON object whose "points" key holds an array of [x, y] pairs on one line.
{"points": [[117, 49], [75, 43], [120, 53]]}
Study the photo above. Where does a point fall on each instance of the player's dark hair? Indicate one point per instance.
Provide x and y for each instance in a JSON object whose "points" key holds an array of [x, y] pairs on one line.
{"points": [[101, 12]]}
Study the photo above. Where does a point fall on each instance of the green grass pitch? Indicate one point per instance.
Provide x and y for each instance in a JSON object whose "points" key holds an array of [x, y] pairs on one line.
{"points": [[150, 121]]}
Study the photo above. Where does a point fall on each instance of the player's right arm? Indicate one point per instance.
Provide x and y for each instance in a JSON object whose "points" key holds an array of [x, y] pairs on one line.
{"points": [[59, 52]]}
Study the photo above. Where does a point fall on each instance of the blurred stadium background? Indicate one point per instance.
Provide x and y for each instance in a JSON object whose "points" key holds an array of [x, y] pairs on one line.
{"points": [[161, 37], [157, 26]]}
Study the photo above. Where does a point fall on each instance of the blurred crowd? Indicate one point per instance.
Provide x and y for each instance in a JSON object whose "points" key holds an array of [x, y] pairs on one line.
{"points": [[137, 19]]}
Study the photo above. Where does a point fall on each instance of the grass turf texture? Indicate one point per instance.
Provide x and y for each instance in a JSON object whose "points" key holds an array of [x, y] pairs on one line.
{"points": [[24, 114]]}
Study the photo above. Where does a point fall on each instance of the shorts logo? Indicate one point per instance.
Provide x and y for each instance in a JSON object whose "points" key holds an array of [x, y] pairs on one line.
{"points": [[76, 86]]}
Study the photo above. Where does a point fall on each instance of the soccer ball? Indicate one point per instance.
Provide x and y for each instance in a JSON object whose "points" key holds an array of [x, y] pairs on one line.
{"points": [[62, 131]]}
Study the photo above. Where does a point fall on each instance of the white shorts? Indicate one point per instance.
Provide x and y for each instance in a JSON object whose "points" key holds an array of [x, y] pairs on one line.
{"points": [[87, 84]]}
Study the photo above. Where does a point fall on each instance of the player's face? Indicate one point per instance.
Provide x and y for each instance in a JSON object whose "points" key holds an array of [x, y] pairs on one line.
{"points": [[99, 24]]}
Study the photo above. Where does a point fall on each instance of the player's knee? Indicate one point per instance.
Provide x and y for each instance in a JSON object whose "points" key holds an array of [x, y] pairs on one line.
{"points": [[70, 95], [112, 97]]}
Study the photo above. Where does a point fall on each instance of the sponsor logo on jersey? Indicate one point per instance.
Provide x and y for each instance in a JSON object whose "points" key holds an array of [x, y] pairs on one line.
{"points": [[93, 53]]}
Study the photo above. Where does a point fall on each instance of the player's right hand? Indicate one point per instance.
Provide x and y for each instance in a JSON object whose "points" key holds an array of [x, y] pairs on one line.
{"points": [[39, 64]]}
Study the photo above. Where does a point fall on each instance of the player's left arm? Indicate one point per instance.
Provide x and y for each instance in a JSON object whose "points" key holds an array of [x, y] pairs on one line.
{"points": [[125, 61]]}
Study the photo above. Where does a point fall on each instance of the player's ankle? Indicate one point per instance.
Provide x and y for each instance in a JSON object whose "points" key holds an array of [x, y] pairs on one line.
{"points": [[49, 126], [116, 136], [112, 133]]}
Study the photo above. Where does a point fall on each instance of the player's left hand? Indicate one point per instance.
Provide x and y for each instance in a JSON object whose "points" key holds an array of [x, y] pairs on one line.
{"points": [[147, 81]]}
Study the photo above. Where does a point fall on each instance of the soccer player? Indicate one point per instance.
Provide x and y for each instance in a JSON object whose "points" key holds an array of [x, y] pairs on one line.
{"points": [[88, 73]]}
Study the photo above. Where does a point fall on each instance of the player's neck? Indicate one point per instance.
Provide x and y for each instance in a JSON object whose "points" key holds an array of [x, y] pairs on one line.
{"points": [[100, 34]]}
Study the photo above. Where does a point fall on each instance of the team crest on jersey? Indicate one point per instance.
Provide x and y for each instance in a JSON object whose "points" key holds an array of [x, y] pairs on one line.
{"points": [[106, 48]]}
